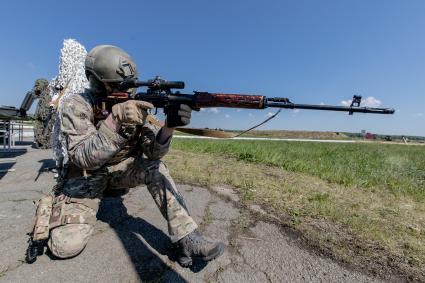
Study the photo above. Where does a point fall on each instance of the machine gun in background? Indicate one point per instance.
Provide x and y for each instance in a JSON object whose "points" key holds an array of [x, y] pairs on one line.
{"points": [[11, 112]]}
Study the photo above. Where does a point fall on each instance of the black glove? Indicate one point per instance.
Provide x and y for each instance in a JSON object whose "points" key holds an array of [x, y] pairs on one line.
{"points": [[178, 115]]}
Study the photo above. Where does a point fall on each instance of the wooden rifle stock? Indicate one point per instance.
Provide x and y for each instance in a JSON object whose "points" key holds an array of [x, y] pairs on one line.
{"points": [[206, 99]]}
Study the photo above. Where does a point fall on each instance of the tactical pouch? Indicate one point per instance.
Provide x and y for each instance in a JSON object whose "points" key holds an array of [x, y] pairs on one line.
{"points": [[40, 229], [68, 210], [53, 212], [41, 222]]}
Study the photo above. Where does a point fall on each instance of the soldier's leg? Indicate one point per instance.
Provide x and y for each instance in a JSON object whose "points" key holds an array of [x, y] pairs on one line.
{"points": [[133, 172], [181, 227], [74, 214], [38, 129]]}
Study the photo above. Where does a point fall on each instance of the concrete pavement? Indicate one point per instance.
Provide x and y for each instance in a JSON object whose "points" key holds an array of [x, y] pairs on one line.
{"points": [[130, 243]]}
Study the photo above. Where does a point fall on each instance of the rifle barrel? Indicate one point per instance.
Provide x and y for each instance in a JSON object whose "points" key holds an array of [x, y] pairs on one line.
{"points": [[330, 108]]}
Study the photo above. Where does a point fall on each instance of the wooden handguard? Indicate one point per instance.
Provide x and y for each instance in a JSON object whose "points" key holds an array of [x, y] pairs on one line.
{"points": [[206, 99]]}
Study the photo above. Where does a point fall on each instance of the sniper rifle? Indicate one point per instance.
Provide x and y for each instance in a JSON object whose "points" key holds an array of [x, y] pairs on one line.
{"points": [[162, 95]]}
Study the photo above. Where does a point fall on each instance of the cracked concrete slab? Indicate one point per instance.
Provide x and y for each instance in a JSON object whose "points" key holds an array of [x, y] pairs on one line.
{"points": [[283, 261], [130, 242]]}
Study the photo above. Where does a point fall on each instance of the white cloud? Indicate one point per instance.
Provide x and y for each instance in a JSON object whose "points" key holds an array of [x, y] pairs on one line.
{"points": [[214, 110], [250, 115], [296, 110], [269, 114], [346, 102], [203, 109], [369, 101], [419, 114], [321, 103], [238, 110], [227, 116]]}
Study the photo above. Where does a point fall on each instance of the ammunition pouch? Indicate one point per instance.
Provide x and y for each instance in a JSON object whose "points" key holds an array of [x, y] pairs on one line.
{"points": [[61, 210], [69, 210], [57, 211], [40, 226]]}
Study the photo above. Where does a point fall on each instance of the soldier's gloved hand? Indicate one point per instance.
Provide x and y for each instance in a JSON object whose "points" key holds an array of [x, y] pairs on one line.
{"points": [[131, 111], [178, 115]]}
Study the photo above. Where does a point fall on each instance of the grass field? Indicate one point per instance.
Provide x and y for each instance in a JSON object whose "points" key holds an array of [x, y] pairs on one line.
{"points": [[289, 134], [358, 201], [397, 169], [316, 135]]}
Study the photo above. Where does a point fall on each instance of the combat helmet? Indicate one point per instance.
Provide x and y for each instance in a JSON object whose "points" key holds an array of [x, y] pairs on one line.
{"points": [[110, 64]]}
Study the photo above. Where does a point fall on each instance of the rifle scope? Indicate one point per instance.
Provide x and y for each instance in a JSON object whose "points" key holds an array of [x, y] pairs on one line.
{"points": [[155, 84]]}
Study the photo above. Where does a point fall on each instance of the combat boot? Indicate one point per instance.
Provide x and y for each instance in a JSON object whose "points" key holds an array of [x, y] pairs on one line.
{"points": [[194, 246]]}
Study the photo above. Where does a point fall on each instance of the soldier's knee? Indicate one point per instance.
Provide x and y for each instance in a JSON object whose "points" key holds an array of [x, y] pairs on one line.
{"points": [[69, 240]]}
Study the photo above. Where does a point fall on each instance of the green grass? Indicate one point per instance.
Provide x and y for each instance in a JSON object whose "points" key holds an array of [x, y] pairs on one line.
{"points": [[397, 169], [362, 202]]}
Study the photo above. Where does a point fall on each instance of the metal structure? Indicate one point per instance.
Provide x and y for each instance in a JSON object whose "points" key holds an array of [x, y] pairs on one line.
{"points": [[11, 122], [11, 131]]}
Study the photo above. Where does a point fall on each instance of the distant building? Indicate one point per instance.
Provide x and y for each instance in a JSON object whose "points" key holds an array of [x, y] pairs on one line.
{"points": [[370, 136]]}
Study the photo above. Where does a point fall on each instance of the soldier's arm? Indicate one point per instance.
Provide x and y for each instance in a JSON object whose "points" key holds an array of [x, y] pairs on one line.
{"points": [[155, 141], [88, 147]]}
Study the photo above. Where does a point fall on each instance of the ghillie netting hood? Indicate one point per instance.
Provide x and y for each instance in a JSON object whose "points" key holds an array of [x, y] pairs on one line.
{"points": [[70, 80]]}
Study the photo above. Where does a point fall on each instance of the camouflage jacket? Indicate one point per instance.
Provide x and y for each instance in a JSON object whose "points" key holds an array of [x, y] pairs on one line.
{"points": [[93, 146], [43, 107]]}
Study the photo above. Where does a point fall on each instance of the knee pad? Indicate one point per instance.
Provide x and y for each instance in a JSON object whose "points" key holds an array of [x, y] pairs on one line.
{"points": [[71, 225], [69, 240]]}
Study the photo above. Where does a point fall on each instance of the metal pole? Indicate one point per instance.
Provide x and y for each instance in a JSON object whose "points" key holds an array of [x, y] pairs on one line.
{"points": [[13, 134], [9, 132], [4, 134], [21, 131]]}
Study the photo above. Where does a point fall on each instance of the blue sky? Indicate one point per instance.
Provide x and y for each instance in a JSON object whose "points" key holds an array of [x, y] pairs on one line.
{"points": [[310, 51]]}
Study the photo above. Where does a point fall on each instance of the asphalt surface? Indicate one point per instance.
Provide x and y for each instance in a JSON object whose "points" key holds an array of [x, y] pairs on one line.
{"points": [[130, 243]]}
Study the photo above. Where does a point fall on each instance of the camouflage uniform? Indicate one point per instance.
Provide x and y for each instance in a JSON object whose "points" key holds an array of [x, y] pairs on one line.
{"points": [[43, 121], [101, 159]]}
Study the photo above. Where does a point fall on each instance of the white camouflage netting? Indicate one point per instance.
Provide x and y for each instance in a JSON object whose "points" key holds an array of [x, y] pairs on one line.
{"points": [[73, 80]]}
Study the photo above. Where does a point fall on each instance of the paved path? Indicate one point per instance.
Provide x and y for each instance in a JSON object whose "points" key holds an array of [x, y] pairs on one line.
{"points": [[130, 243], [264, 139]]}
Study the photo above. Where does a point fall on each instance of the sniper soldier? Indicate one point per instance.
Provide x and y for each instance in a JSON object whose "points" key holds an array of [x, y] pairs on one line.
{"points": [[43, 122], [120, 152]]}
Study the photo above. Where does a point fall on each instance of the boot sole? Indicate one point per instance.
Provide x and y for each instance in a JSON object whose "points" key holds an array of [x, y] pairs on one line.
{"points": [[219, 252], [188, 261]]}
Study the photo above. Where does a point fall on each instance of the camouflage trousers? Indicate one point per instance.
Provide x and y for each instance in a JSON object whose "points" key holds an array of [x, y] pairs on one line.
{"points": [[74, 210], [43, 131], [42, 140]]}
